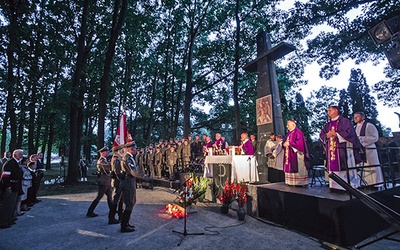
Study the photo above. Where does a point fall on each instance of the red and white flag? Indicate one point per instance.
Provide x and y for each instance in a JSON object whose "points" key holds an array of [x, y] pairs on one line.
{"points": [[123, 136]]}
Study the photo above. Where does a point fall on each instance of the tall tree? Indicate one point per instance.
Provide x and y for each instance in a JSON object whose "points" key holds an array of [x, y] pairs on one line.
{"points": [[236, 73], [345, 104], [75, 101], [116, 25], [348, 38], [13, 11], [361, 99], [318, 104]]}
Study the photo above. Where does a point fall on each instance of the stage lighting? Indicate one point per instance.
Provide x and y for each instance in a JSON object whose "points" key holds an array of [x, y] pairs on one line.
{"points": [[385, 30], [393, 53], [381, 33]]}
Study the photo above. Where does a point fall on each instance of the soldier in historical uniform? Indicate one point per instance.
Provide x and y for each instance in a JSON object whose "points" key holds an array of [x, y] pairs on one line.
{"points": [[150, 162], [103, 182], [138, 158], [132, 172], [179, 149], [117, 177], [171, 162], [197, 147], [158, 161], [186, 154]]}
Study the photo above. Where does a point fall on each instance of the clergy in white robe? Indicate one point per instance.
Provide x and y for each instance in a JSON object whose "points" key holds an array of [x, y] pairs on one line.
{"points": [[368, 135]]}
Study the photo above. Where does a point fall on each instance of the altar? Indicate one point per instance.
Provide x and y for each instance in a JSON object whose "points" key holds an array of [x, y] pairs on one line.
{"points": [[232, 167]]}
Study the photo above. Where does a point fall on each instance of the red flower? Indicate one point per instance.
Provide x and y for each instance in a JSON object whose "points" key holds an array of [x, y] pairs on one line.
{"points": [[227, 195], [240, 190]]}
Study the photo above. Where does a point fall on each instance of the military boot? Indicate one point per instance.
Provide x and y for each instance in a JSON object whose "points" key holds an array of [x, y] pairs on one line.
{"points": [[125, 228], [111, 215]]}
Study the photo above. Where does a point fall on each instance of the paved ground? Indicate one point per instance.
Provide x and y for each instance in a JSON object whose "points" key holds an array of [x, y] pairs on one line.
{"points": [[59, 222]]}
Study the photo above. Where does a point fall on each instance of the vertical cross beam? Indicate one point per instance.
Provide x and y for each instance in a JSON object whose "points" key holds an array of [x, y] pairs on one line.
{"points": [[269, 113]]}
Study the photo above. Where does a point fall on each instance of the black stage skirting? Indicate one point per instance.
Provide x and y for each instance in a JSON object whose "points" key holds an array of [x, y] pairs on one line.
{"points": [[320, 213]]}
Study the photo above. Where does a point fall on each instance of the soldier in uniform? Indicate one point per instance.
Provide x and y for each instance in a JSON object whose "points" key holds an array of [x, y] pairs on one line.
{"points": [[103, 182], [179, 149], [117, 177], [196, 147], [186, 154], [171, 162], [150, 162], [158, 161], [138, 158], [132, 171]]}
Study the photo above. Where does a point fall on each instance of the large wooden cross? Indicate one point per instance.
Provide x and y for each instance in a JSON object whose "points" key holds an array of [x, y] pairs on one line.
{"points": [[268, 105], [269, 113]]}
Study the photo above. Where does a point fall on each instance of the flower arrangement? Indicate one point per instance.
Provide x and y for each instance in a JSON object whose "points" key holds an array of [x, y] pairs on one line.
{"points": [[240, 191], [195, 189], [227, 195]]}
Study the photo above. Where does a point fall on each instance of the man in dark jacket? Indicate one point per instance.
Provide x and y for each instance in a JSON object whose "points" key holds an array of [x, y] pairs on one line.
{"points": [[10, 186]]}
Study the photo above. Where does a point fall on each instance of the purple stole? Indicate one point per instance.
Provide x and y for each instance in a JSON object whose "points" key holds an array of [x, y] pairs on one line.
{"points": [[289, 156], [333, 153], [363, 127], [220, 144]]}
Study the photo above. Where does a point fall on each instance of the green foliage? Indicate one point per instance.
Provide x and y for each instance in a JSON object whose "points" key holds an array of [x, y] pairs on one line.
{"points": [[149, 72], [318, 104], [360, 98], [345, 26], [388, 90]]}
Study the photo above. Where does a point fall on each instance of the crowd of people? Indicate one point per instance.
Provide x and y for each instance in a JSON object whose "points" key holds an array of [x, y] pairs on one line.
{"points": [[19, 184], [349, 149], [167, 158], [344, 145], [117, 175]]}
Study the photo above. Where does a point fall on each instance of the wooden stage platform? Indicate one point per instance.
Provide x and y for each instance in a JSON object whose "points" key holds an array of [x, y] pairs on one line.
{"points": [[321, 213]]}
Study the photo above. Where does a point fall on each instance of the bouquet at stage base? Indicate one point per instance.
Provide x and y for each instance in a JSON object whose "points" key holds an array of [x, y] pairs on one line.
{"points": [[194, 189]]}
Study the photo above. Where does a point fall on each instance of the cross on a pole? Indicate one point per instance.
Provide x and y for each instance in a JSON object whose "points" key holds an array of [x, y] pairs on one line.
{"points": [[267, 83]]}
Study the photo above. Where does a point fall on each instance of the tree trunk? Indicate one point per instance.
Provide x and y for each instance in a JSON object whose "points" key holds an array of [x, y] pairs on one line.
{"points": [[11, 79], [165, 87], [189, 71], [118, 19], [4, 135], [152, 104], [178, 102], [236, 75], [31, 122], [50, 141], [74, 106], [189, 86]]}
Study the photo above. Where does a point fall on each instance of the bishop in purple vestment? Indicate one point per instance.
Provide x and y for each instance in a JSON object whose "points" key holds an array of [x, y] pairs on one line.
{"points": [[296, 159], [335, 135], [294, 142], [219, 142], [246, 146], [341, 148]]}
